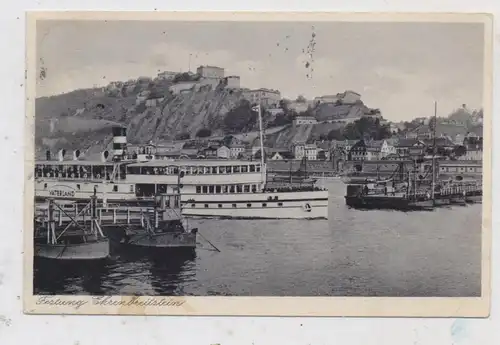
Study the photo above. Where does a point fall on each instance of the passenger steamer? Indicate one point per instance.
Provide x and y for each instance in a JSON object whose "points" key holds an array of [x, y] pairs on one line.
{"points": [[208, 188]]}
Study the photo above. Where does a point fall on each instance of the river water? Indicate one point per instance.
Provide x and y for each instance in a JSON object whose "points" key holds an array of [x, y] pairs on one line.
{"points": [[354, 253]]}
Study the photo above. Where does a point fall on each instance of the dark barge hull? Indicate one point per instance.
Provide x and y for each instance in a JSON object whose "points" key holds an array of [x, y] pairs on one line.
{"points": [[388, 203], [474, 198]]}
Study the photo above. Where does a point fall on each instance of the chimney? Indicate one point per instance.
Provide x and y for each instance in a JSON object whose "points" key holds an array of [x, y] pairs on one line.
{"points": [[76, 155], [119, 142], [61, 154]]}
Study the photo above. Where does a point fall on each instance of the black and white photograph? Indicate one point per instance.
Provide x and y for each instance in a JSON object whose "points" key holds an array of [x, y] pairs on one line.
{"points": [[246, 156]]}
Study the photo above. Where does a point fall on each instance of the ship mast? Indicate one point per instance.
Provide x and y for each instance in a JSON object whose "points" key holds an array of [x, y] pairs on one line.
{"points": [[257, 108], [433, 184]]}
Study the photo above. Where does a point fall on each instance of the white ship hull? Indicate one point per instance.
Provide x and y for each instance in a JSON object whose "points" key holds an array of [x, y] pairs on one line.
{"points": [[219, 188], [290, 205]]}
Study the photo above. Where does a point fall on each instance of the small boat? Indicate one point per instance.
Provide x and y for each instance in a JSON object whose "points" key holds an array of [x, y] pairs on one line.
{"points": [[167, 233], [474, 197], [170, 235], [361, 198], [84, 248]]}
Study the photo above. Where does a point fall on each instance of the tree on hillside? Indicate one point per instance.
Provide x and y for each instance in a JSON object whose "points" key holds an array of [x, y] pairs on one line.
{"points": [[459, 150], [283, 104], [227, 141], [183, 136], [203, 133], [281, 120], [335, 134], [366, 128], [241, 118], [301, 99]]}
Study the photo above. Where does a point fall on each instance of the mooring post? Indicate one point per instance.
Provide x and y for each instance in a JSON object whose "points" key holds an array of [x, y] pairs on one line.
{"points": [[60, 217], [49, 222]]}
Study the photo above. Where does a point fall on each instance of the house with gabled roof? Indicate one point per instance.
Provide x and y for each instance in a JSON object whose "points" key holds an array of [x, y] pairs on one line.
{"points": [[410, 147]]}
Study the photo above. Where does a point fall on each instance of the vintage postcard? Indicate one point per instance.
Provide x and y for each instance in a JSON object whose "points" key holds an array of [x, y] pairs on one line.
{"points": [[313, 164]]}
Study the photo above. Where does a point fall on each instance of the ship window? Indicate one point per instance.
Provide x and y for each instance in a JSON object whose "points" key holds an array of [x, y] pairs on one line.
{"points": [[254, 188], [115, 188], [234, 205], [225, 189], [195, 170], [193, 205], [249, 205], [211, 189], [247, 188], [78, 186], [214, 170], [161, 188], [236, 169], [239, 188], [280, 204], [217, 189], [231, 189], [244, 168], [276, 197], [205, 189], [206, 170], [264, 204], [206, 205], [222, 170], [257, 168], [45, 186], [198, 189], [229, 170], [252, 168], [220, 205], [145, 190]]}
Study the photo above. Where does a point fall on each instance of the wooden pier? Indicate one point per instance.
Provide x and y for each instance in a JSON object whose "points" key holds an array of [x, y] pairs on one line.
{"points": [[156, 227], [73, 240]]}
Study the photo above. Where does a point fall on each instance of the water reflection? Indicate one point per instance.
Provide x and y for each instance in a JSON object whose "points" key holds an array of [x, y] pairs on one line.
{"points": [[130, 270], [54, 277]]}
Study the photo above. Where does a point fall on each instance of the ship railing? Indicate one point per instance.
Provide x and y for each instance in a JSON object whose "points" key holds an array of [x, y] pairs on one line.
{"points": [[114, 215]]}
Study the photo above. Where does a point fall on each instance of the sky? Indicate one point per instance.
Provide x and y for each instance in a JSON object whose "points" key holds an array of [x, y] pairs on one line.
{"points": [[400, 68]]}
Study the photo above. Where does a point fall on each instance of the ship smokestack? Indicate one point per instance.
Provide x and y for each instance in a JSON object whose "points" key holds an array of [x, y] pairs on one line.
{"points": [[119, 142], [61, 154]]}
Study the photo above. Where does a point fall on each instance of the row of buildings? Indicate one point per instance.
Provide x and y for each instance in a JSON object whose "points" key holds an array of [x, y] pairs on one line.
{"points": [[348, 150], [214, 76], [269, 98]]}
